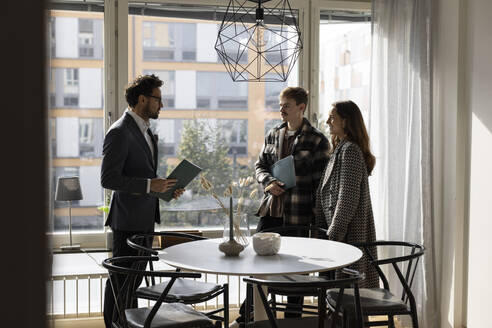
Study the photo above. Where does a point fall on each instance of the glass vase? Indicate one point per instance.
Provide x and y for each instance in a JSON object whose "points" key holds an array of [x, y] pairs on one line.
{"points": [[241, 231]]}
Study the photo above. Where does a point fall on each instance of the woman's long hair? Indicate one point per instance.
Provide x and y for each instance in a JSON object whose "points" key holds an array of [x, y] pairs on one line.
{"points": [[355, 130]]}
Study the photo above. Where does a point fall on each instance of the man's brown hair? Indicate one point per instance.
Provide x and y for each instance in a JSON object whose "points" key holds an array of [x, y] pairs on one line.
{"points": [[142, 85], [300, 95]]}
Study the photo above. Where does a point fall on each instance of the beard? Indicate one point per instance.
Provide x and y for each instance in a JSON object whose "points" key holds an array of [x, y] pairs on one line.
{"points": [[147, 111]]}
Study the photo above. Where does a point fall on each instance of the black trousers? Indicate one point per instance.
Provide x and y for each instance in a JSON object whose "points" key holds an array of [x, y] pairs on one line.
{"points": [[268, 222], [120, 248]]}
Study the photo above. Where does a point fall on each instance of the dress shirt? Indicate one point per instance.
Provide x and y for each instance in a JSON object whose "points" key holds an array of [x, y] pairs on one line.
{"points": [[143, 126]]}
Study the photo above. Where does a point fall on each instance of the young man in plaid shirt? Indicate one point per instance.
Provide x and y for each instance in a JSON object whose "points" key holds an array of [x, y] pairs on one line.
{"points": [[294, 136], [309, 147]]}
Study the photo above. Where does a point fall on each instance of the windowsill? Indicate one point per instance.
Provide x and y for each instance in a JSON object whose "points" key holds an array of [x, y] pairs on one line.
{"points": [[81, 250], [96, 240]]}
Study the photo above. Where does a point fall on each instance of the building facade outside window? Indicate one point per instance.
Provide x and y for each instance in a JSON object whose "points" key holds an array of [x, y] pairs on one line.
{"points": [[76, 101]]}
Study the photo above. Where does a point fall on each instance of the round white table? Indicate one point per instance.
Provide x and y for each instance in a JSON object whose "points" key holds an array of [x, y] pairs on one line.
{"points": [[297, 255]]}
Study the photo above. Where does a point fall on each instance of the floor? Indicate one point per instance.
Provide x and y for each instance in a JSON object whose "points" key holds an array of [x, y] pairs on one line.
{"points": [[98, 322]]}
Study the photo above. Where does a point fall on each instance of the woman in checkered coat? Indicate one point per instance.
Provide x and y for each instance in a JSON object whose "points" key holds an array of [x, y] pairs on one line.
{"points": [[343, 202]]}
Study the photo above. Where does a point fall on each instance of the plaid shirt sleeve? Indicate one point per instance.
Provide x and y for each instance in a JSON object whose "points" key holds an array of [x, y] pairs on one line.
{"points": [[262, 166]]}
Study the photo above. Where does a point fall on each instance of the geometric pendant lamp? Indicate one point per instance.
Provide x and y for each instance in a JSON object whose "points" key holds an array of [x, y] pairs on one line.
{"points": [[259, 44]]}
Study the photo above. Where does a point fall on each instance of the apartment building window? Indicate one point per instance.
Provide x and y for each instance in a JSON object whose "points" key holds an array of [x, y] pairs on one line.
{"points": [[164, 41], [86, 38], [76, 88], [215, 90], [76, 37], [71, 87]]}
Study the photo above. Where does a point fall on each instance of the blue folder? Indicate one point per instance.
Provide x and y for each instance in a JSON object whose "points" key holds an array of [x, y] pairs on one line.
{"points": [[284, 170]]}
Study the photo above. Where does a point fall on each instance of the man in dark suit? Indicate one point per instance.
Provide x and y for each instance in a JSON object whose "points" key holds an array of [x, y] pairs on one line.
{"points": [[129, 169]]}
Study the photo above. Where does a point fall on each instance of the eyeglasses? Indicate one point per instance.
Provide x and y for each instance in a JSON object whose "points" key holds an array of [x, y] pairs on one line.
{"points": [[155, 97]]}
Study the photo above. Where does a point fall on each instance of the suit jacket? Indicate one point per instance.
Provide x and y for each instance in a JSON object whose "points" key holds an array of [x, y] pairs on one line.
{"points": [[343, 204], [310, 151], [127, 164]]}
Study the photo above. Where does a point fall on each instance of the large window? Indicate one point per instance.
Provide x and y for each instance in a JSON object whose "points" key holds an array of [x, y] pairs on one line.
{"points": [[207, 118], [76, 114], [197, 88], [344, 55]]}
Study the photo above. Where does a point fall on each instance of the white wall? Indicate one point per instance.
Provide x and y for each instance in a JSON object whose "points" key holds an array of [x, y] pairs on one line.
{"points": [[478, 88], [462, 81]]}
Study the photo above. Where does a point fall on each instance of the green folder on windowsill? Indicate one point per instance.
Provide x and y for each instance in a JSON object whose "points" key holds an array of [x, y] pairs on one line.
{"points": [[184, 173], [284, 170]]}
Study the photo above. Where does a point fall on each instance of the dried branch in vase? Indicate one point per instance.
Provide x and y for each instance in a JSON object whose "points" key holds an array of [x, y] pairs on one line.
{"points": [[239, 190]]}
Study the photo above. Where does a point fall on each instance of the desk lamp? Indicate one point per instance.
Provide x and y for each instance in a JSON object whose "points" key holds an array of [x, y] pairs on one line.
{"points": [[68, 189]]}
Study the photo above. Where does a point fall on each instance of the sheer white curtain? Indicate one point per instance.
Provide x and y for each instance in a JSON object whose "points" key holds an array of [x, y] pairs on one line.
{"points": [[399, 127]]}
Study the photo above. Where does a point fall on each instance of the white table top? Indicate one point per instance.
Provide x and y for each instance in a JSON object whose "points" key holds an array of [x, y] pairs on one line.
{"points": [[296, 255]]}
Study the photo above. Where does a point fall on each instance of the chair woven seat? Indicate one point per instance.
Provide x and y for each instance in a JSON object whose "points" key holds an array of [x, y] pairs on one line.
{"points": [[295, 291], [305, 283], [185, 290], [169, 315], [130, 270], [403, 257], [373, 300]]}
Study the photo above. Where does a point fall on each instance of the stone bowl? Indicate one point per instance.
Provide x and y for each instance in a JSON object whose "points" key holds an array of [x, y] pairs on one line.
{"points": [[266, 243]]}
